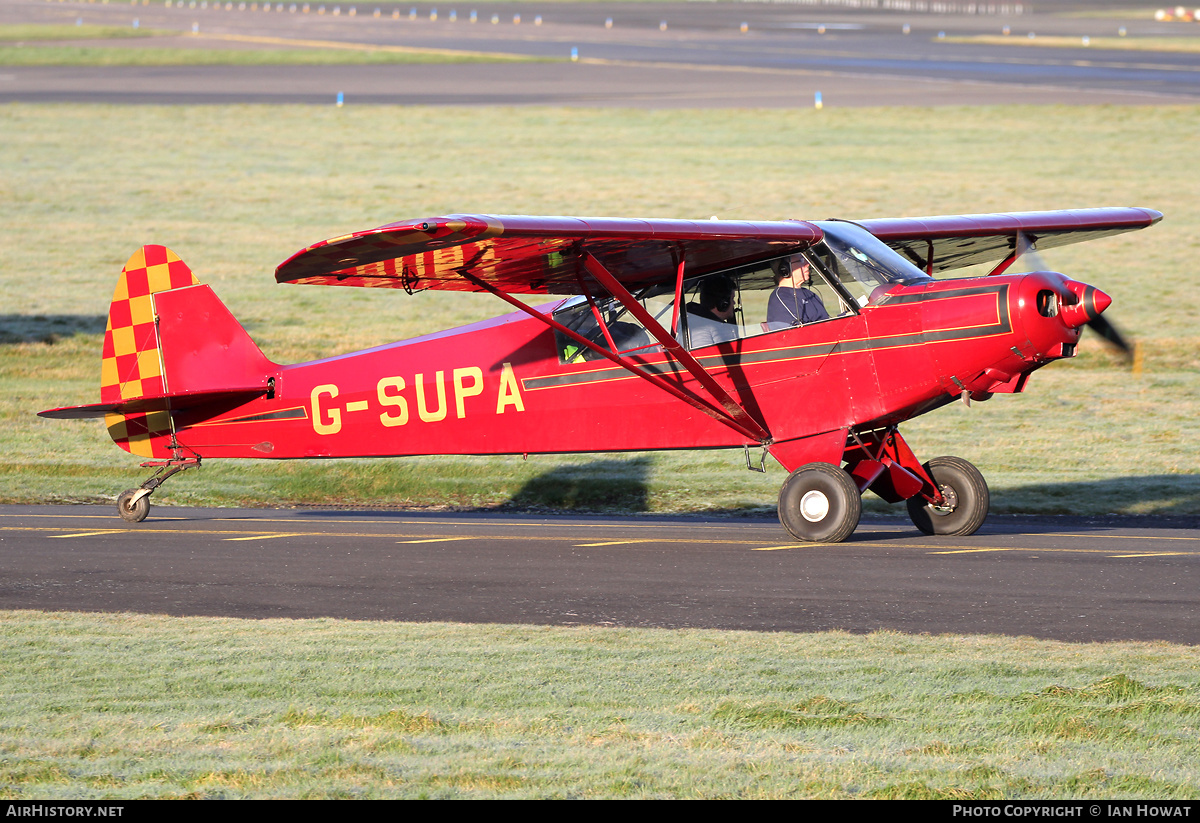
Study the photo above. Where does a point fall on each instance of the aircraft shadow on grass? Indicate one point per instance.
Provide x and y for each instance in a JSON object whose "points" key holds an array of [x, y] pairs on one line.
{"points": [[608, 486], [600, 485], [616, 486], [48, 328], [1161, 497]]}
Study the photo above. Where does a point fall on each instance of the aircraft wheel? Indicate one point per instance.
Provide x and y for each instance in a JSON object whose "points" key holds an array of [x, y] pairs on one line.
{"points": [[966, 495], [819, 503], [133, 511]]}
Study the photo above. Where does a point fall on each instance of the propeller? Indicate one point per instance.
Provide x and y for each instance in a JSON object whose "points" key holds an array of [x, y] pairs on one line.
{"points": [[1028, 259], [1109, 332]]}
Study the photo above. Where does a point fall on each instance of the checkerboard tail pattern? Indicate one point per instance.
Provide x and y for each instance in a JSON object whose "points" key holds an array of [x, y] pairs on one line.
{"points": [[132, 366]]}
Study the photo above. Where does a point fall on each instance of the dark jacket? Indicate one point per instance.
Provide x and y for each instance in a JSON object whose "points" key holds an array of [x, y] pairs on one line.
{"points": [[793, 307]]}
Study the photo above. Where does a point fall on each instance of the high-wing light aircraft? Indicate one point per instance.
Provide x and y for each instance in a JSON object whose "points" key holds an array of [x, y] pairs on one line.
{"points": [[810, 340]]}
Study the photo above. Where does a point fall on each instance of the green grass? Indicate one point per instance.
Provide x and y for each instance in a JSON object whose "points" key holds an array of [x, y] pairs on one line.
{"points": [[55, 31], [144, 706], [124, 706], [101, 56], [237, 189]]}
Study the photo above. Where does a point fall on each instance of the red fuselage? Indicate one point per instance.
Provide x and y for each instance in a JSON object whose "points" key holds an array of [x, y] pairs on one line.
{"points": [[499, 387]]}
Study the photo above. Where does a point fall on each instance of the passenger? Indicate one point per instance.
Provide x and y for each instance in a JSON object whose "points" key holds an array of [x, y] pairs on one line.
{"points": [[712, 319], [792, 303]]}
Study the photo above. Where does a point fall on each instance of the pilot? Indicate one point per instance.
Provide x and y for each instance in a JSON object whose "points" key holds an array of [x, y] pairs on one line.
{"points": [[792, 303], [712, 319]]}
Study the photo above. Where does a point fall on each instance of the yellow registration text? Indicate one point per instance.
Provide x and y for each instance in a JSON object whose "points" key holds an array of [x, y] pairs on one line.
{"points": [[430, 398]]}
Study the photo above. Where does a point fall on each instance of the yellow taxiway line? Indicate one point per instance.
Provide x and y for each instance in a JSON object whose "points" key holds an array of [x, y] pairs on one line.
{"points": [[438, 540], [564, 536]]}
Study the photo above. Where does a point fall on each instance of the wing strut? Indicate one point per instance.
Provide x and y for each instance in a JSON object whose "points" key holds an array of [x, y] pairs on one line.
{"points": [[1021, 246], [734, 410], [678, 299], [754, 432]]}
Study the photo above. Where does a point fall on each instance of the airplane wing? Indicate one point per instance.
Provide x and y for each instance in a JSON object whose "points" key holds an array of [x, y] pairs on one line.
{"points": [[538, 255], [942, 243]]}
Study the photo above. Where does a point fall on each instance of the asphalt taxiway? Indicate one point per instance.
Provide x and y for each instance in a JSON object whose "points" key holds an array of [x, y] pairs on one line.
{"points": [[787, 54], [1063, 578]]}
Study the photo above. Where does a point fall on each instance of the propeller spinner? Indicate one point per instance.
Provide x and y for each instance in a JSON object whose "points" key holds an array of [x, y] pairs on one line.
{"points": [[1083, 304]]}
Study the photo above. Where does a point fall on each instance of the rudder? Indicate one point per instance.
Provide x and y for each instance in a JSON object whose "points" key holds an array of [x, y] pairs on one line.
{"points": [[131, 363], [169, 336]]}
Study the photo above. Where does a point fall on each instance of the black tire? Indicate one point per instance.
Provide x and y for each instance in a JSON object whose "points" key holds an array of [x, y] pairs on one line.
{"points": [[819, 503], [133, 511], [965, 491]]}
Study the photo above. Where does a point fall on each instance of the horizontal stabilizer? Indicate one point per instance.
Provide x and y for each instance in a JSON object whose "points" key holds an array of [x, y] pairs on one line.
{"points": [[161, 402]]}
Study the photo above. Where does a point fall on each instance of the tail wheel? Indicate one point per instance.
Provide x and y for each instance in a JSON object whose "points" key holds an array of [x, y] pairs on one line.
{"points": [[819, 503], [966, 495], [131, 510]]}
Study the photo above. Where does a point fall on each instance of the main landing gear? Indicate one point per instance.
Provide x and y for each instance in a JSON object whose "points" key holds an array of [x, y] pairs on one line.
{"points": [[134, 504], [822, 503], [965, 495]]}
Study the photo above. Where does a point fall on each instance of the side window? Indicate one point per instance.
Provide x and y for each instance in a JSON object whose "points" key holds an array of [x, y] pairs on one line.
{"points": [[781, 294], [717, 308], [620, 332], [801, 295], [710, 311]]}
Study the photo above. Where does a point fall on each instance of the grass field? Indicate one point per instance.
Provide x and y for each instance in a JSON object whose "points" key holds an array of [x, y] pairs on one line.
{"points": [[36, 32], [145, 706], [237, 189], [122, 706]]}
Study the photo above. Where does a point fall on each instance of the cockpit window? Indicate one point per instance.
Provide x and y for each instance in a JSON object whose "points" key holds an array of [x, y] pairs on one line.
{"points": [[749, 301], [849, 269], [778, 294], [864, 265]]}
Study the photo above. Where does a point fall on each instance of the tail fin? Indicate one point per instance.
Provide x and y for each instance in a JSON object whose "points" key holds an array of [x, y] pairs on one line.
{"points": [[132, 365], [169, 337]]}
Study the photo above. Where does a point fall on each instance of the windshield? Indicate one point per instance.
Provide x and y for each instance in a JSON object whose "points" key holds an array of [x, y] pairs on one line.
{"points": [[861, 261]]}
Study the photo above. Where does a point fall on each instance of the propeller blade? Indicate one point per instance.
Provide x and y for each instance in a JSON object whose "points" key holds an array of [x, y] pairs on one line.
{"points": [[1109, 332], [1028, 259]]}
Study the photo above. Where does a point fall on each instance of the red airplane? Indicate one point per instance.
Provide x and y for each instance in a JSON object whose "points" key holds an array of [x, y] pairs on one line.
{"points": [[810, 340]]}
